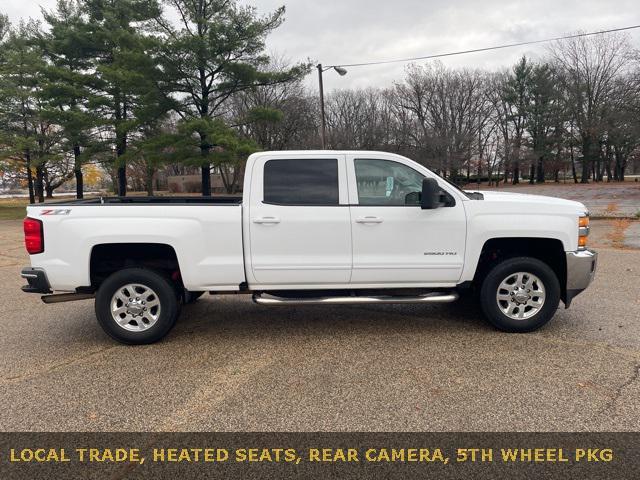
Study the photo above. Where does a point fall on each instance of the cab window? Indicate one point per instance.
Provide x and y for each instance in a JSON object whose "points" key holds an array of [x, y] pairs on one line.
{"points": [[301, 182], [387, 183]]}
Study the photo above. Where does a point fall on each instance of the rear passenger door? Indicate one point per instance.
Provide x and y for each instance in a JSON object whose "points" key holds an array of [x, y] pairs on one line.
{"points": [[299, 223]]}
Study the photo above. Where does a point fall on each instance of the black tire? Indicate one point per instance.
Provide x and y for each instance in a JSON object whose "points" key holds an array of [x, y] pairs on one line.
{"points": [[503, 270], [167, 309], [191, 297]]}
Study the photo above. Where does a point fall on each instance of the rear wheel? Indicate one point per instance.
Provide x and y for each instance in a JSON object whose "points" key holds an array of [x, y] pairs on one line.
{"points": [[137, 306], [520, 294]]}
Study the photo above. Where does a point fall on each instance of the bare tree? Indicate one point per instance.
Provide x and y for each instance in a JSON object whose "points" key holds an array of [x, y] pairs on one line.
{"points": [[590, 67], [359, 119], [448, 107], [623, 126]]}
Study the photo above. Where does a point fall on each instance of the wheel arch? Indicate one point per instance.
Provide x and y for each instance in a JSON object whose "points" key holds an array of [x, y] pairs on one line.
{"points": [[107, 258], [548, 250]]}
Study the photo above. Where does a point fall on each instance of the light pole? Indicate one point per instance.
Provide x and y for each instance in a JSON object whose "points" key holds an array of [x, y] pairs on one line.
{"points": [[342, 72]]}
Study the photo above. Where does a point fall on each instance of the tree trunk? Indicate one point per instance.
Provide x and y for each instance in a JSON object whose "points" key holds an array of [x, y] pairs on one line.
{"points": [[121, 148], [585, 170], [206, 165], [573, 160], [601, 164], [532, 173], [77, 170], [49, 190], [206, 180], [40, 183], [32, 197], [620, 162], [149, 181], [540, 172], [515, 174], [121, 143], [122, 181], [586, 157]]}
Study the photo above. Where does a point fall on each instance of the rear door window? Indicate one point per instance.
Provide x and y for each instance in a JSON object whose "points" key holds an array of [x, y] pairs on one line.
{"points": [[301, 182]]}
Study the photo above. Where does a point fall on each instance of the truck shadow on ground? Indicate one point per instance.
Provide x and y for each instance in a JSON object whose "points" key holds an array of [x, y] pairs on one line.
{"points": [[217, 319], [210, 316]]}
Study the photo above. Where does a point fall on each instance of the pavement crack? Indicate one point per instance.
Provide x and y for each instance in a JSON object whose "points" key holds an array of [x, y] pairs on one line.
{"points": [[635, 375], [54, 367]]}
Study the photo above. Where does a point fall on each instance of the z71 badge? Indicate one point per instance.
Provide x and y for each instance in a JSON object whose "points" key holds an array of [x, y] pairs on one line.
{"points": [[56, 211]]}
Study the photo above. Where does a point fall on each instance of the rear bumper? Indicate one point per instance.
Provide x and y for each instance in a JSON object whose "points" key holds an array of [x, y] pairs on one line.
{"points": [[37, 280], [581, 268]]}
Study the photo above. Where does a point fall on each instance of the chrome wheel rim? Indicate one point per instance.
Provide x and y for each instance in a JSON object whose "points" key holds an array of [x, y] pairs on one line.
{"points": [[135, 307], [520, 295]]}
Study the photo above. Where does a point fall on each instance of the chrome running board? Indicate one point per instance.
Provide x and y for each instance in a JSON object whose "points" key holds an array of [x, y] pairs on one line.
{"points": [[66, 297], [434, 297]]}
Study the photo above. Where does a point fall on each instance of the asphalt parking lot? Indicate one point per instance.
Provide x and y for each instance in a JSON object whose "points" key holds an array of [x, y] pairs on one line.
{"points": [[232, 365]]}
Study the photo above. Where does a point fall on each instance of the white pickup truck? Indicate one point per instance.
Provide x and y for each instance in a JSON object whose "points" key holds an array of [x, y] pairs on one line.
{"points": [[312, 227]]}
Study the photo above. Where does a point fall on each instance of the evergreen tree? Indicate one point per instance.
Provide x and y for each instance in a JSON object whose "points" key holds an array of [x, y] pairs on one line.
{"points": [[217, 50], [124, 69], [22, 135], [544, 121], [68, 78], [516, 97]]}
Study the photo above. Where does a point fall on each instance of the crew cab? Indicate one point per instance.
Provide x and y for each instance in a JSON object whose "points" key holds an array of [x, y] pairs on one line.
{"points": [[312, 227]]}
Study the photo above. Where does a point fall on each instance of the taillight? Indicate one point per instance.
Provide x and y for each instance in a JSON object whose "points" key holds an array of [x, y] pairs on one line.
{"points": [[33, 235]]}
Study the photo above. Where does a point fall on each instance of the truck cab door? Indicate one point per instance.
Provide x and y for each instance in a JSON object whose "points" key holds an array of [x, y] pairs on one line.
{"points": [[395, 241], [298, 221]]}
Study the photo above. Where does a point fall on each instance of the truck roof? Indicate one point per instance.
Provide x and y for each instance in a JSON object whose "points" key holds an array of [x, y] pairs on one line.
{"points": [[322, 152]]}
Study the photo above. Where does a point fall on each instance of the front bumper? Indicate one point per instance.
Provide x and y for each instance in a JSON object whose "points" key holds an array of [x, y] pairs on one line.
{"points": [[37, 280], [581, 268]]}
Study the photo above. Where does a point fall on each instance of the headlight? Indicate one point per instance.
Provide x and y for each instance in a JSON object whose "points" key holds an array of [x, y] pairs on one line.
{"points": [[583, 231]]}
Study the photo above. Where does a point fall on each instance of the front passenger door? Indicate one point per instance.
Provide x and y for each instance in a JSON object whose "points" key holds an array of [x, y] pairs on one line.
{"points": [[394, 240]]}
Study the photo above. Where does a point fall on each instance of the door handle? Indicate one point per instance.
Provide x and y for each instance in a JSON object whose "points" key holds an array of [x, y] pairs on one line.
{"points": [[369, 219], [266, 220]]}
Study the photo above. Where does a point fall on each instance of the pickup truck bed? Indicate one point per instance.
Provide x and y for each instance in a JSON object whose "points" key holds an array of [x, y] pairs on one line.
{"points": [[201, 236]]}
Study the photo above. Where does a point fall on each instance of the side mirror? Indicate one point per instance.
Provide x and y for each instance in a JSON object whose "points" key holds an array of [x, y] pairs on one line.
{"points": [[430, 194]]}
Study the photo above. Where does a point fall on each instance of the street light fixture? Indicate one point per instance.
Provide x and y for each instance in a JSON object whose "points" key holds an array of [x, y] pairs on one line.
{"points": [[342, 72]]}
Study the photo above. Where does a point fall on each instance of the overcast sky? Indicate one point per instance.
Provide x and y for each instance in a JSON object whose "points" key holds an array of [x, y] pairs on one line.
{"points": [[352, 31]]}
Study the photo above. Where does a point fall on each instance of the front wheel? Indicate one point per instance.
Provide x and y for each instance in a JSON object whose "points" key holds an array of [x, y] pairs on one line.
{"points": [[136, 306], [520, 295]]}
